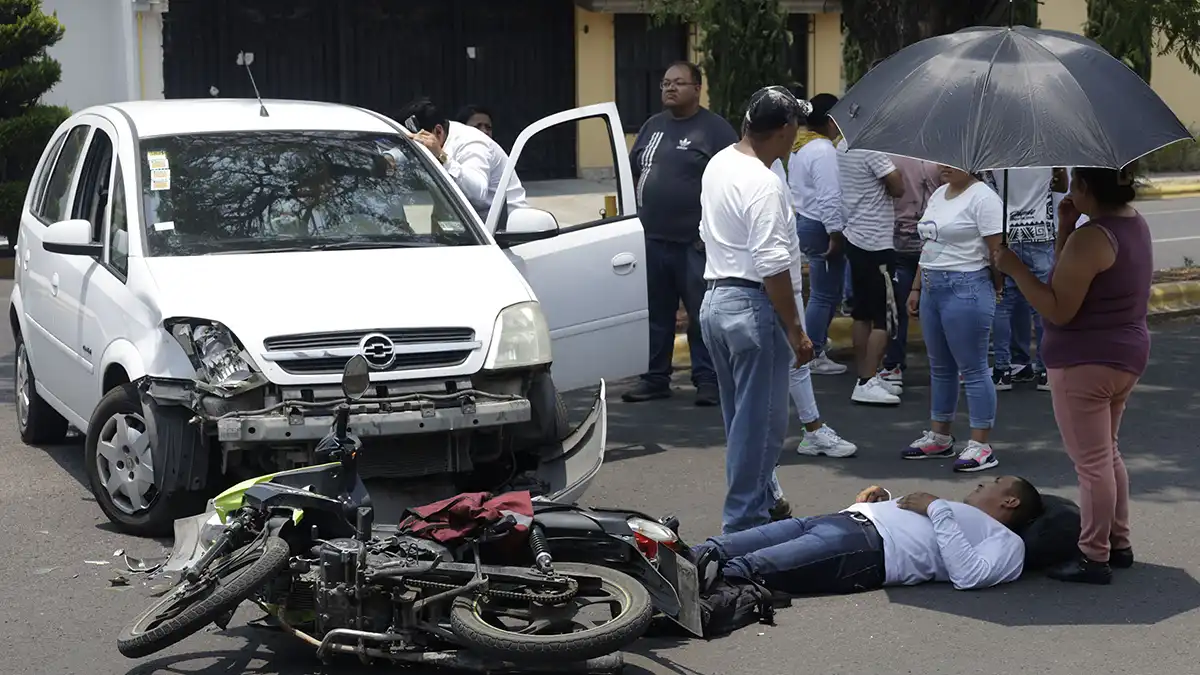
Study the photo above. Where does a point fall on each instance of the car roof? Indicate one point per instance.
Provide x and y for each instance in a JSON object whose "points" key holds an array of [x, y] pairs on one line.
{"points": [[211, 115]]}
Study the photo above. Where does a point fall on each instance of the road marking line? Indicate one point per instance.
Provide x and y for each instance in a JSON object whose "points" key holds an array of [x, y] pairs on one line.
{"points": [[1164, 213], [1164, 241]]}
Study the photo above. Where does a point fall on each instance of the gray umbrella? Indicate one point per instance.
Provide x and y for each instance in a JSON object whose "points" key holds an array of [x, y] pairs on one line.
{"points": [[1007, 98]]}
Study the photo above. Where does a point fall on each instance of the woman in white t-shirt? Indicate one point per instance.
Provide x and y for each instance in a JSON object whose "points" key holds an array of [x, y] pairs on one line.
{"points": [[955, 297]]}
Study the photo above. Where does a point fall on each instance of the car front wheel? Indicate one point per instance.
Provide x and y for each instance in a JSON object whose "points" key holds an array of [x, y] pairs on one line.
{"points": [[121, 454]]}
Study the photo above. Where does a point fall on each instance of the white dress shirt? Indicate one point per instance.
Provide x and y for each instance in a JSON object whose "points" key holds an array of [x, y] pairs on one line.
{"points": [[746, 220], [476, 163], [815, 185], [956, 542]]}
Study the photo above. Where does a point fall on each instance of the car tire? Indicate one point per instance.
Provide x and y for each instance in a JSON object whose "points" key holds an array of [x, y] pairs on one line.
{"points": [[120, 452], [38, 423], [549, 422]]}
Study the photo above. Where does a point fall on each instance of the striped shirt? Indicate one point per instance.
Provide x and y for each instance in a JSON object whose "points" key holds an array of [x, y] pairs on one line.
{"points": [[870, 211]]}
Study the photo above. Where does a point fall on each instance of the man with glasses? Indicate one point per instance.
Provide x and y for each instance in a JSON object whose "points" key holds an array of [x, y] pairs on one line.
{"points": [[668, 158]]}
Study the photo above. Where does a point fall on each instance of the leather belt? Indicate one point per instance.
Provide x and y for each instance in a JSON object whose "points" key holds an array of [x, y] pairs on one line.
{"points": [[734, 281]]}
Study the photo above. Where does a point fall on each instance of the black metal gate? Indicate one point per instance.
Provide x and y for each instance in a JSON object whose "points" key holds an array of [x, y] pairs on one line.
{"points": [[516, 58]]}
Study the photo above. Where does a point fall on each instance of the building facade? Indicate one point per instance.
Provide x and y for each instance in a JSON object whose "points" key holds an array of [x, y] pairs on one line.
{"points": [[524, 59]]}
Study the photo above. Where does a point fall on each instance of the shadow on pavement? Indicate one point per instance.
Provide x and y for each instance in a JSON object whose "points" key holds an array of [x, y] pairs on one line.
{"points": [[1143, 595]]}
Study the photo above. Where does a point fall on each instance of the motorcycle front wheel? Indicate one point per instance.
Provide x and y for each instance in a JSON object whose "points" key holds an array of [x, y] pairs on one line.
{"points": [[525, 631], [190, 607]]}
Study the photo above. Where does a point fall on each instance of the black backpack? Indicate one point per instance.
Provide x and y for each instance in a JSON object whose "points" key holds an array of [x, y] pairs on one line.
{"points": [[733, 604]]}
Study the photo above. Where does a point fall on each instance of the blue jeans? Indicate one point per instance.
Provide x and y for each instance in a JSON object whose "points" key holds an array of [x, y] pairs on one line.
{"points": [[1013, 313], [751, 357], [835, 553], [957, 310], [826, 280], [674, 272], [902, 283]]}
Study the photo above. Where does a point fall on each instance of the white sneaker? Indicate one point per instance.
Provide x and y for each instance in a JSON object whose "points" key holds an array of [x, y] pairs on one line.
{"points": [[825, 441], [823, 365], [874, 392], [891, 380]]}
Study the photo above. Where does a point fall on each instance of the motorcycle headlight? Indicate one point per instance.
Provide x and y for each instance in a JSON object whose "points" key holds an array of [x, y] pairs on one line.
{"points": [[521, 338], [217, 356]]}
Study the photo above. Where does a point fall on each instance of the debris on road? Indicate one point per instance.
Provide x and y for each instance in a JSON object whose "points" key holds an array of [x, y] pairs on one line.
{"points": [[96, 562]]}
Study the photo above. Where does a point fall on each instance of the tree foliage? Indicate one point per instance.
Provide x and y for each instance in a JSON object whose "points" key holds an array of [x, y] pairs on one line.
{"points": [[744, 46], [26, 73], [1128, 30], [876, 29]]}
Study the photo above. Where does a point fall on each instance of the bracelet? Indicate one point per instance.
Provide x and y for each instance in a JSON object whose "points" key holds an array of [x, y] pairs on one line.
{"points": [[915, 290]]}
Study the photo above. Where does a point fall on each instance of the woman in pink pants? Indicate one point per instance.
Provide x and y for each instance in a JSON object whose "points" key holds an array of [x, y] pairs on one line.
{"points": [[1096, 346]]}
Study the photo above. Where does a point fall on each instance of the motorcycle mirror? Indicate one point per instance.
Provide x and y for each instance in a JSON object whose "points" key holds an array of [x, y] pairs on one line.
{"points": [[356, 377]]}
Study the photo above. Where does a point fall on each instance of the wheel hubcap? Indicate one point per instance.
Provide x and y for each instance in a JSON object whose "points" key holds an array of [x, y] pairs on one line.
{"points": [[24, 386], [125, 462]]}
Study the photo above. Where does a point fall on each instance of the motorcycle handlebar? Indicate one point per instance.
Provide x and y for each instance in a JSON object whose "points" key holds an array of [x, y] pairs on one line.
{"points": [[342, 421]]}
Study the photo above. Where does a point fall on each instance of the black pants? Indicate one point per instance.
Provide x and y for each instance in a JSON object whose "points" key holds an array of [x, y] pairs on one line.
{"points": [[871, 274], [674, 272]]}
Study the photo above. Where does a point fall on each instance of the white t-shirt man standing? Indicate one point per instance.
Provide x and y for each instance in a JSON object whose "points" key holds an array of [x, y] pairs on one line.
{"points": [[870, 182], [749, 319]]}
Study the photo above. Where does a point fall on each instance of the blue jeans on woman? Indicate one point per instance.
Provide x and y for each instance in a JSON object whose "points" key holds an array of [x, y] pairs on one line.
{"points": [[826, 279], [956, 311], [1013, 313], [751, 356]]}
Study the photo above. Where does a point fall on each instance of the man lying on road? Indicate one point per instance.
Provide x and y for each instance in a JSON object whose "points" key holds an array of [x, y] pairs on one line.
{"points": [[879, 541]]}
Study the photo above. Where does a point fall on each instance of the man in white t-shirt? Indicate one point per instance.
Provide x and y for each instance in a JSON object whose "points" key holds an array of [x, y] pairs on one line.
{"points": [[749, 319], [474, 161], [870, 182], [880, 541], [1031, 231]]}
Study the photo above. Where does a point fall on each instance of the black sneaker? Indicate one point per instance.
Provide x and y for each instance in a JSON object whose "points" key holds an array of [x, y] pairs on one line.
{"points": [[646, 392], [1002, 378], [781, 511], [1024, 375], [708, 395], [1120, 558], [1043, 381]]}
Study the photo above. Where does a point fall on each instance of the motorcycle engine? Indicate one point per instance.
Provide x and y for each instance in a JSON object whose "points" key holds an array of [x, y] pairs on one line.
{"points": [[338, 595]]}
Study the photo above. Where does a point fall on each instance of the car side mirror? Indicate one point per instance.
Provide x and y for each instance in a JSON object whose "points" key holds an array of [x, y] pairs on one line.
{"points": [[526, 225], [71, 237]]}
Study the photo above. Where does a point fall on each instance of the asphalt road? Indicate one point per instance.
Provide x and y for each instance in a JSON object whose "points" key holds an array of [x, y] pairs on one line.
{"points": [[1175, 224], [61, 615]]}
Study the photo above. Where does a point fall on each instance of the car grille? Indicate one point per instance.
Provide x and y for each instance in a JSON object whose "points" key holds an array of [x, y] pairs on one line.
{"points": [[409, 337]]}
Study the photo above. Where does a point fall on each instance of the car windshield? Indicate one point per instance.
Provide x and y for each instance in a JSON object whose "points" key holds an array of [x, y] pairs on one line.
{"points": [[249, 192]]}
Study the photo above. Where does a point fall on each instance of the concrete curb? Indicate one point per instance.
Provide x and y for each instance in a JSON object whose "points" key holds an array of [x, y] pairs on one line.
{"points": [[1161, 190], [1167, 299]]}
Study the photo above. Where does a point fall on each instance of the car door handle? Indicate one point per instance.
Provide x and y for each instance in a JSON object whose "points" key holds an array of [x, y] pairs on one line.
{"points": [[54, 284], [25, 258], [624, 263]]}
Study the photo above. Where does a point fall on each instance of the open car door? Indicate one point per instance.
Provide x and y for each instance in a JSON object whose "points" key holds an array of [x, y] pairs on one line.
{"points": [[590, 278]]}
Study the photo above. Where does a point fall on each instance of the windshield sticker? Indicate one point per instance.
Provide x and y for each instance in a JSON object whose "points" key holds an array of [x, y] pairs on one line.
{"points": [[450, 226], [160, 179], [157, 159], [166, 226]]}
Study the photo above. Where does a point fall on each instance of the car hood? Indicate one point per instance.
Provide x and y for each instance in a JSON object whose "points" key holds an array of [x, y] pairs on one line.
{"points": [[261, 295]]}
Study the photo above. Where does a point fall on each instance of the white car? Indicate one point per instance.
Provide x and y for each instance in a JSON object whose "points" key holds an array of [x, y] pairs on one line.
{"points": [[192, 275]]}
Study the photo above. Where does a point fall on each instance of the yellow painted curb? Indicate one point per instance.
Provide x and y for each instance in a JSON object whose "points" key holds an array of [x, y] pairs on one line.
{"points": [[1180, 189], [1171, 297]]}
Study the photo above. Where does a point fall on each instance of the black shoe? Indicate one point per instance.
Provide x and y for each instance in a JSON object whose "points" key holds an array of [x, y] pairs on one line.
{"points": [[1002, 378], [781, 511], [645, 392], [707, 395], [1083, 571], [1120, 558], [1043, 381]]}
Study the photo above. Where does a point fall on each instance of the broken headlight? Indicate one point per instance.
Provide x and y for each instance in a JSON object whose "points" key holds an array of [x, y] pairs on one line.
{"points": [[222, 366]]}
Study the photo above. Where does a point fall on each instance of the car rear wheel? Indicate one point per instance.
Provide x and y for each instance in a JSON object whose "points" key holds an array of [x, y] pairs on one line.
{"points": [[121, 457], [38, 422]]}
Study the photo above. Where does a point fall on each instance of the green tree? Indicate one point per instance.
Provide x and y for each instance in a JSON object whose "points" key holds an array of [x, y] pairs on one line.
{"points": [[744, 44], [1128, 29], [876, 29], [26, 73]]}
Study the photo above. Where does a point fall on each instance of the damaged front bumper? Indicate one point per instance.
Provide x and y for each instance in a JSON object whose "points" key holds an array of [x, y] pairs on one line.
{"points": [[568, 476], [293, 420]]}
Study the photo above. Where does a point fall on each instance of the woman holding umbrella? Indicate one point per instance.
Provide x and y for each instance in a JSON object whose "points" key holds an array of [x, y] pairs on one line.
{"points": [[1096, 347]]}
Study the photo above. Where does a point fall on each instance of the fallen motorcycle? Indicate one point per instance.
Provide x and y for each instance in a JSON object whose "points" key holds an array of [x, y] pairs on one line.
{"points": [[301, 545]]}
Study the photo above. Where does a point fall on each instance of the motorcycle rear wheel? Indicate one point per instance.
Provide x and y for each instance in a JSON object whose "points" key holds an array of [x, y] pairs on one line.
{"points": [[238, 575], [469, 621]]}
